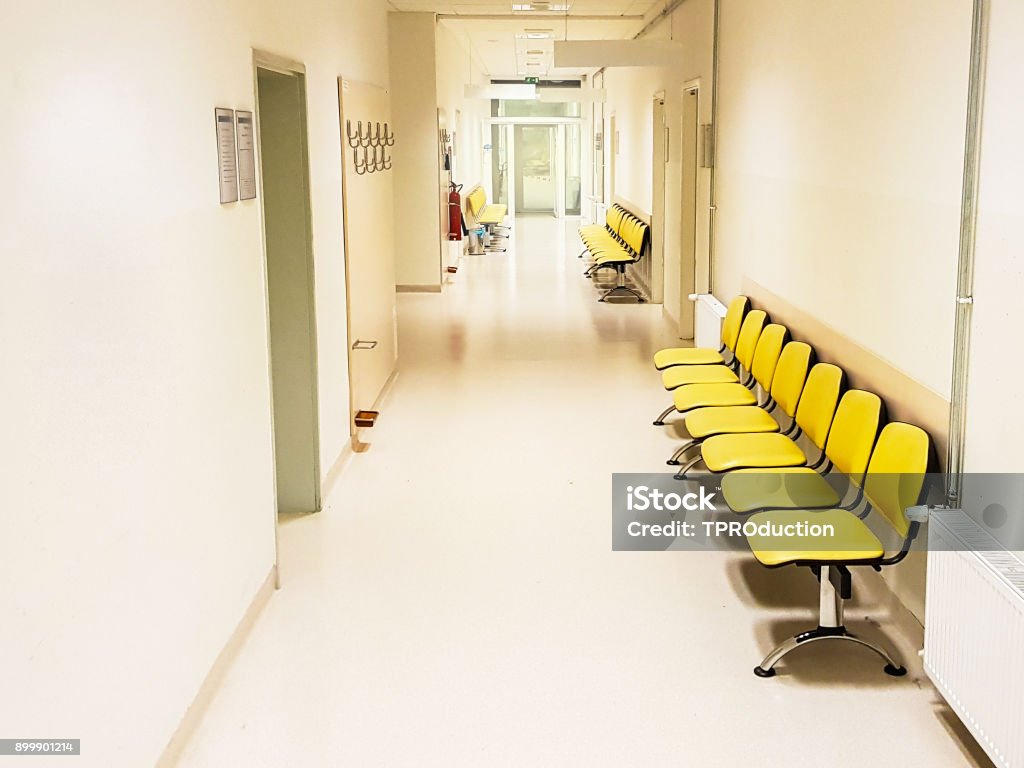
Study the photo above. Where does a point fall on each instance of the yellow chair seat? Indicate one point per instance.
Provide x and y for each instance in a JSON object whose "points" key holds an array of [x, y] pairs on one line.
{"points": [[666, 358], [704, 395], [852, 539], [729, 420], [722, 453], [493, 214], [593, 230], [613, 256], [747, 490], [681, 375]]}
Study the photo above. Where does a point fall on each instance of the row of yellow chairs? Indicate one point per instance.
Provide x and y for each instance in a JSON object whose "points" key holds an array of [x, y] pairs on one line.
{"points": [[616, 244], [866, 470]]}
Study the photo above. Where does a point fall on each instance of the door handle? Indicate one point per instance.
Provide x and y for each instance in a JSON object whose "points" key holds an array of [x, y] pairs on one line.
{"points": [[360, 344]]}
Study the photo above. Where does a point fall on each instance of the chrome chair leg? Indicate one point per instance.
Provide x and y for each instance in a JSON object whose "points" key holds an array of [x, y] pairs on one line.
{"points": [[830, 627], [674, 461], [660, 421], [681, 474]]}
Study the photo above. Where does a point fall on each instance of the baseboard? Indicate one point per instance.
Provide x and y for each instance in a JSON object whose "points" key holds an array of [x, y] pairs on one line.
{"points": [[335, 471], [418, 288], [194, 714]]}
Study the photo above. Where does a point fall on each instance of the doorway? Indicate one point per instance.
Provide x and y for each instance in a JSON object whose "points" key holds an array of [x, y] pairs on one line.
{"points": [[287, 238], [536, 177], [689, 198], [654, 270]]}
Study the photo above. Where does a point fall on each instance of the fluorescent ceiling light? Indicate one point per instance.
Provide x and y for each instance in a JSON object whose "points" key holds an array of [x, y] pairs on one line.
{"points": [[518, 91], [577, 95], [616, 53]]}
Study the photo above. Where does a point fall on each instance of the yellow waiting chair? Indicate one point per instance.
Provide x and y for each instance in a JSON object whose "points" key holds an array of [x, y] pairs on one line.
{"points": [[634, 236], [666, 358], [787, 384], [850, 440], [893, 487], [748, 340], [762, 369], [817, 407]]}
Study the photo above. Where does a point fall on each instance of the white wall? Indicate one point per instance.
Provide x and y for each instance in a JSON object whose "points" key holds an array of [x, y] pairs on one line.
{"points": [[631, 92], [993, 430], [457, 67], [414, 111], [840, 151], [137, 498]]}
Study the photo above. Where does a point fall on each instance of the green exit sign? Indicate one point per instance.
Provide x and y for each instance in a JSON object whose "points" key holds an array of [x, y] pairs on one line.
{"points": [[532, 80]]}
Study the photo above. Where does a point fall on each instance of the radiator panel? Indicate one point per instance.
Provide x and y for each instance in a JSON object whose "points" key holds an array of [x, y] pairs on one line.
{"points": [[974, 622], [708, 316]]}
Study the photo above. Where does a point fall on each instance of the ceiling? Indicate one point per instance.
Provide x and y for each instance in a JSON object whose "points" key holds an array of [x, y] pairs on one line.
{"points": [[513, 44]]}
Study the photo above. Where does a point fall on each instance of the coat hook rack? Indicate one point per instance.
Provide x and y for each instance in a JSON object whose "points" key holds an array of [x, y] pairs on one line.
{"points": [[369, 146]]}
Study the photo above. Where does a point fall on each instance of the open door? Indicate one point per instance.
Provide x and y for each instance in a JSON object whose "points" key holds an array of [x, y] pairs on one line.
{"points": [[284, 172], [689, 197], [367, 139]]}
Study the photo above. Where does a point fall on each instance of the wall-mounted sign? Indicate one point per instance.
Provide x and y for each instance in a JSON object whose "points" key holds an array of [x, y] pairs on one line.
{"points": [[246, 156], [226, 158]]}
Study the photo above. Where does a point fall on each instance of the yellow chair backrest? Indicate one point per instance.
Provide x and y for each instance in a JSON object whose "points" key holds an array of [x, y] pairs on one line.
{"points": [[818, 401], [635, 240], [476, 200], [629, 221], [733, 319], [790, 375], [896, 473], [749, 334], [613, 218], [766, 354], [853, 433]]}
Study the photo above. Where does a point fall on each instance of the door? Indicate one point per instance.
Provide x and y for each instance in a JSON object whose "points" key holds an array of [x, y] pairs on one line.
{"points": [[655, 267], [535, 169], [284, 171], [688, 238], [369, 241], [572, 169]]}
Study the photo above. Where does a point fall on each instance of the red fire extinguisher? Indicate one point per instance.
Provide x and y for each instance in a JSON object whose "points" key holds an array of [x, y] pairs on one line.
{"points": [[454, 211]]}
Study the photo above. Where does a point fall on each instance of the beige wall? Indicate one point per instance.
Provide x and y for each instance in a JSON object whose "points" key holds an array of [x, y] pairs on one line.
{"points": [[138, 497], [631, 92], [840, 151], [456, 68], [994, 430], [414, 111]]}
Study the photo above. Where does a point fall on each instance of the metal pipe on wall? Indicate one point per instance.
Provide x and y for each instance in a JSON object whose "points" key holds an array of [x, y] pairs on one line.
{"points": [[965, 261]]}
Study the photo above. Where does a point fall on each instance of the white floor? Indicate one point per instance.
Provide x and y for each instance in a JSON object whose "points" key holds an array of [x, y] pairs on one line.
{"points": [[457, 603]]}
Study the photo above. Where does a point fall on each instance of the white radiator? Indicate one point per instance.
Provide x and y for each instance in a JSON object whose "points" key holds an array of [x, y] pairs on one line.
{"points": [[707, 320], [974, 632]]}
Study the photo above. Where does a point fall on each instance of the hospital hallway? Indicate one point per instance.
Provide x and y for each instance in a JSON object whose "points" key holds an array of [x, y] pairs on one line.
{"points": [[457, 601]]}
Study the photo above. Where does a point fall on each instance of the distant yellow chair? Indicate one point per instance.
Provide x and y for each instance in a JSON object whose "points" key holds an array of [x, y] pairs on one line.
{"points": [[814, 415], [666, 358], [787, 384], [766, 354], [749, 338]]}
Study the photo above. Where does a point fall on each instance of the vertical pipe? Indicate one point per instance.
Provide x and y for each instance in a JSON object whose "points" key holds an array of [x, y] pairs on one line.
{"points": [[712, 211], [965, 264]]}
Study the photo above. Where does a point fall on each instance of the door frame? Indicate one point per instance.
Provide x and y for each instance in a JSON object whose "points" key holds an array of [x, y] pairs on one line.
{"points": [[659, 178], [274, 63], [688, 278]]}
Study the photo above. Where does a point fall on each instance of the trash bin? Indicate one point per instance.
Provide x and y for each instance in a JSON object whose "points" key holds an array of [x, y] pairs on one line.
{"points": [[476, 241]]}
